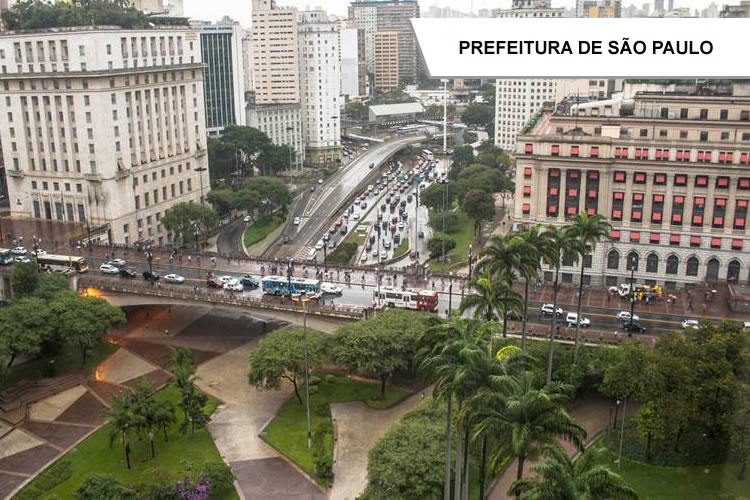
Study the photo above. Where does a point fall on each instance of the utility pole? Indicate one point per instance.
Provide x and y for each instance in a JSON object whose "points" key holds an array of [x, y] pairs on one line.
{"points": [[445, 115]]}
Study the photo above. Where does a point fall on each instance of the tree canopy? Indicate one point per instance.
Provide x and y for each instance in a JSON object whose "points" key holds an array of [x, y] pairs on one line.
{"points": [[258, 195], [240, 151], [183, 220], [480, 206]]}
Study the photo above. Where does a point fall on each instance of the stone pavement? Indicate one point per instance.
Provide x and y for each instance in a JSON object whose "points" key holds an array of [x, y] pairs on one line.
{"points": [[593, 413], [358, 428]]}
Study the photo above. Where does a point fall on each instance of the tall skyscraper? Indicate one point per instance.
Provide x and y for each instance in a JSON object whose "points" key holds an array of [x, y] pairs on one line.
{"points": [[223, 76], [320, 87], [353, 65], [532, 8], [386, 60], [274, 106], [104, 127], [389, 15], [658, 7]]}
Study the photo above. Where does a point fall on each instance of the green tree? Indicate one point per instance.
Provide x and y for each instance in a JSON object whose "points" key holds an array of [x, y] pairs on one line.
{"points": [[146, 410], [480, 206], [50, 284], [82, 321], [103, 487], [184, 221], [478, 115], [462, 157], [440, 245], [444, 222], [281, 355], [528, 266], [222, 199], [438, 197], [24, 326], [495, 300], [36, 14], [165, 417], [739, 429], [619, 381], [183, 371], [589, 230], [557, 477], [25, 279], [557, 242], [221, 157], [120, 422], [273, 193], [650, 425], [356, 110]]}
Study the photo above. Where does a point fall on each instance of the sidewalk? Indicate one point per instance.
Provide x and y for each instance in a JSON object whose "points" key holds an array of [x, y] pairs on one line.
{"points": [[593, 413]]}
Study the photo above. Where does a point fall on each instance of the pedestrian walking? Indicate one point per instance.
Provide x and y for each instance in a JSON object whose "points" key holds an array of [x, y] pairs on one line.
{"points": [[189, 259]]}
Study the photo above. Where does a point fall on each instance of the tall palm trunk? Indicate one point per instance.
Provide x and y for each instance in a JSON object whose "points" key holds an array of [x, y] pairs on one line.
{"points": [[466, 483], [525, 311], [151, 439], [551, 351], [448, 429], [483, 468], [459, 439], [505, 326], [578, 310]]}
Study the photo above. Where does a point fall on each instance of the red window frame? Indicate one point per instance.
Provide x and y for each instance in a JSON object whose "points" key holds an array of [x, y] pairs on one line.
{"points": [[528, 148], [660, 179], [718, 221], [654, 238], [526, 190], [695, 241], [639, 178], [527, 172], [592, 193], [736, 244], [614, 235], [555, 149], [720, 202], [637, 196], [553, 191], [744, 158], [619, 195], [574, 150], [701, 181], [680, 180], [554, 172], [656, 217], [526, 208], [594, 152], [635, 236], [572, 210], [593, 174], [697, 219], [715, 242], [658, 198], [572, 174], [674, 239], [743, 183], [573, 192], [619, 176], [722, 182]]}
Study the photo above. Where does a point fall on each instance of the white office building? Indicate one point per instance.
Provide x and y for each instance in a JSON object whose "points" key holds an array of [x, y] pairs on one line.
{"points": [[320, 87], [103, 126], [516, 101], [352, 60]]}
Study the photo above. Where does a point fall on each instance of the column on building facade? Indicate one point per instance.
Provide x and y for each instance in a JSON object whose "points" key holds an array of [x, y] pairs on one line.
{"points": [[539, 192], [604, 203], [582, 192]]}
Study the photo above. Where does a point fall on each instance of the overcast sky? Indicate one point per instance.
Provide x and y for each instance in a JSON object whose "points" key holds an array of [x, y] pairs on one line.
{"points": [[210, 10]]}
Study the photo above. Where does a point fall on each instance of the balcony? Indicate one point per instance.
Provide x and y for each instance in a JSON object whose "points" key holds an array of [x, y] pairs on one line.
{"points": [[15, 173], [93, 177]]}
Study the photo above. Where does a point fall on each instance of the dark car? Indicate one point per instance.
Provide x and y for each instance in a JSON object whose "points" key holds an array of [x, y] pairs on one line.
{"points": [[214, 283], [150, 276], [634, 327], [421, 234], [248, 280], [127, 273]]}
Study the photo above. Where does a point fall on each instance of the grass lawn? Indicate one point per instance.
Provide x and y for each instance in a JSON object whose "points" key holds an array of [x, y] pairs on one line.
{"points": [[68, 361], [288, 431], [94, 455], [262, 228], [342, 254], [463, 236], [401, 249], [701, 482]]}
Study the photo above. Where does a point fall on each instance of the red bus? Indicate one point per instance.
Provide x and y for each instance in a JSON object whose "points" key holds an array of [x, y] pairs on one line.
{"points": [[419, 300]]}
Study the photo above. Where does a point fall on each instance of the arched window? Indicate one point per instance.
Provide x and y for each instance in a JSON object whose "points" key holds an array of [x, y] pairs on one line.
{"points": [[673, 264], [652, 263], [733, 271], [632, 263], [712, 270], [692, 266], [613, 259]]}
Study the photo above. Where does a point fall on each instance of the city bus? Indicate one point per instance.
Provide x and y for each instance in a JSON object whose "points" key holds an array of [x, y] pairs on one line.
{"points": [[61, 263], [5, 257], [279, 285], [418, 300]]}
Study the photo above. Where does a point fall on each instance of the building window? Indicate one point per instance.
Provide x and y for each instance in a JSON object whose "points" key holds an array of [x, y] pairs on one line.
{"points": [[691, 268], [613, 260], [644, 132], [724, 114], [699, 203], [673, 264], [632, 263], [683, 113], [704, 114], [683, 134], [704, 136], [652, 263]]}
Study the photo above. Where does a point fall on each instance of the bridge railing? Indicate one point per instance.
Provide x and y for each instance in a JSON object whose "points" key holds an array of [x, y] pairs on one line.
{"points": [[182, 292]]}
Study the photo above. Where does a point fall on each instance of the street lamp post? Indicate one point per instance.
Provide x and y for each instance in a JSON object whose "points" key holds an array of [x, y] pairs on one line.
{"points": [[450, 294], [150, 257], [632, 288], [289, 276], [622, 431], [445, 115]]}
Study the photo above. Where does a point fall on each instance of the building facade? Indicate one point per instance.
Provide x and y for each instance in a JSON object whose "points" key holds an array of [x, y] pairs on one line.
{"points": [[386, 60], [223, 74], [275, 103], [530, 8], [320, 87], [671, 175], [389, 15], [516, 101], [741, 10], [103, 127], [352, 61]]}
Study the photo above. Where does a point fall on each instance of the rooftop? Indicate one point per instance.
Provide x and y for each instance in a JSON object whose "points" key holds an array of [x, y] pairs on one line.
{"points": [[396, 109]]}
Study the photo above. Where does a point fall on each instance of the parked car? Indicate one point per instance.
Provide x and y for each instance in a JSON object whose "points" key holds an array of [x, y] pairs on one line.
{"points": [[332, 244], [150, 276], [383, 254], [634, 327], [249, 281], [690, 323], [127, 273], [625, 316], [331, 289], [109, 269], [174, 278], [547, 309], [571, 318], [364, 257]]}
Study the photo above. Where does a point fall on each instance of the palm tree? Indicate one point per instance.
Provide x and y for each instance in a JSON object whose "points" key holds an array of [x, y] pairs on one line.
{"points": [[557, 477], [451, 354], [588, 230], [494, 300], [532, 417], [120, 420], [558, 241], [528, 267], [145, 410], [165, 416], [500, 256]]}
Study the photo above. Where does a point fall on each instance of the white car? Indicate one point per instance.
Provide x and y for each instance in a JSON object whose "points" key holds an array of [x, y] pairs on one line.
{"points": [[571, 320], [297, 221], [356, 202], [320, 181], [690, 323], [38, 252], [387, 244], [319, 245], [225, 279], [18, 251], [174, 278], [331, 289], [401, 225], [548, 308], [109, 269], [117, 263], [234, 286], [355, 217], [364, 257], [20, 259], [246, 219], [746, 325], [625, 316], [383, 254]]}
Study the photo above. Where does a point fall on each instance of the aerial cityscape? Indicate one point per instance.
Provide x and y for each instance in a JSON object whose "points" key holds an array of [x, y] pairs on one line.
{"points": [[273, 258]]}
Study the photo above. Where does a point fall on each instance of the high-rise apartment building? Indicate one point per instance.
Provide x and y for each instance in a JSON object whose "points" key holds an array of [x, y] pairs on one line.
{"points": [[658, 7], [274, 106], [353, 65], [103, 126], [516, 101], [223, 75], [389, 15], [530, 8], [320, 87], [386, 60], [741, 10], [671, 173]]}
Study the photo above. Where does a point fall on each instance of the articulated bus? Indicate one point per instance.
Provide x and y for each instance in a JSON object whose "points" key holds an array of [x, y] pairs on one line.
{"points": [[421, 300], [61, 263], [5, 257], [280, 285]]}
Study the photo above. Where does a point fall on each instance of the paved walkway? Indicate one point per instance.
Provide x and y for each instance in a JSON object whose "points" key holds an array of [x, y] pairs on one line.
{"points": [[593, 413], [358, 428]]}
